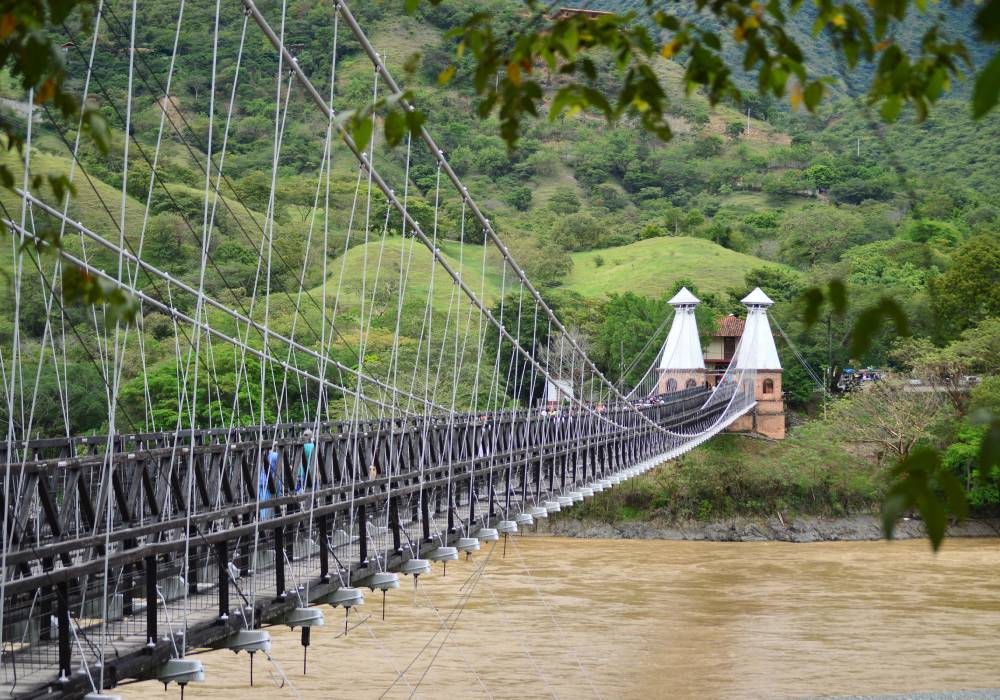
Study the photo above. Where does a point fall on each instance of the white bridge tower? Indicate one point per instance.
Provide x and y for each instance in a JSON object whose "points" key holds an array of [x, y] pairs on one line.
{"points": [[682, 365]]}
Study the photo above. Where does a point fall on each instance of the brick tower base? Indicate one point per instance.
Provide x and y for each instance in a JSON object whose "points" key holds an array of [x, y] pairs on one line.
{"points": [[681, 377], [768, 417]]}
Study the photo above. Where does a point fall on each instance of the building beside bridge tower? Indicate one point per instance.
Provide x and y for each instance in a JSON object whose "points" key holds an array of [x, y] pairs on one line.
{"points": [[722, 347], [682, 365], [757, 351]]}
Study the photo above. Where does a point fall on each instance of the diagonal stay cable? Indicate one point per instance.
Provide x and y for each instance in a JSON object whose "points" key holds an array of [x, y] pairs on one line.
{"points": [[385, 652], [179, 210], [288, 269], [548, 609], [475, 578], [415, 227], [438, 155], [203, 326], [442, 628], [152, 272]]}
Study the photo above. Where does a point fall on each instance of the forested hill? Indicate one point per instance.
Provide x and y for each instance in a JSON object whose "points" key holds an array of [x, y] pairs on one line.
{"points": [[609, 220], [821, 59]]}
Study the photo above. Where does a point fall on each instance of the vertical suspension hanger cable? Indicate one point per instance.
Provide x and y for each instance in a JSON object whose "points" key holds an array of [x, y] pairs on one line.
{"points": [[195, 352], [17, 255], [118, 364], [325, 333], [268, 226]]}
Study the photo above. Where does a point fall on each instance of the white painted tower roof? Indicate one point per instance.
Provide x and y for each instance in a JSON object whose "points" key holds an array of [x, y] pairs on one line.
{"points": [[682, 351], [757, 298], [684, 296], [757, 349]]}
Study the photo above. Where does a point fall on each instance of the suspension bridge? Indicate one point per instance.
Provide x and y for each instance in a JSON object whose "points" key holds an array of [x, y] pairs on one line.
{"points": [[314, 477]]}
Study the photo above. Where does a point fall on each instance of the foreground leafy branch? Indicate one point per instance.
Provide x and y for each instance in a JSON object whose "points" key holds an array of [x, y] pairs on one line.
{"points": [[31, 55], [506, 64], [897, 422]]}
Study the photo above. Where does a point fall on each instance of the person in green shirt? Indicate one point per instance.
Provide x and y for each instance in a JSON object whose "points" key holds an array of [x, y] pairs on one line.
{"points": [[306, 467]]}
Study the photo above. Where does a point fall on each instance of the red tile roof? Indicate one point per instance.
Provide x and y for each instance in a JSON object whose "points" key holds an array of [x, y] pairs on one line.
{"points": [[730, 326]]}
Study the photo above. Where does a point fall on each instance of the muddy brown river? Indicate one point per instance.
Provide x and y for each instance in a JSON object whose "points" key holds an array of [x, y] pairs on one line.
{"points": [[571, 618]]}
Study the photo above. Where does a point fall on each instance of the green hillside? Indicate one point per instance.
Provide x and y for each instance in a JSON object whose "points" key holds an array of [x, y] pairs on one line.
{"points": [[819, 55], [653, 267], [605, 219]]}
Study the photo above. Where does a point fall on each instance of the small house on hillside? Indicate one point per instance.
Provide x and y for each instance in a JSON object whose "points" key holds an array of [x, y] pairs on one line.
{"points": [[557, 392], [722, 347], [567, 12]]}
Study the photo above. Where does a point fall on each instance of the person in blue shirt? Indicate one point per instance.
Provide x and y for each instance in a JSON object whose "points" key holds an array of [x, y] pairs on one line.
{"points": [[263, 492]]}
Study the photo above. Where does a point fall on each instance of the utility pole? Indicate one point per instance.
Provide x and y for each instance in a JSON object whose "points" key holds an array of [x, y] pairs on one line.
{"points": [[748, 121], [621, 361], [859, 147], [829, 360], [829, 346]]}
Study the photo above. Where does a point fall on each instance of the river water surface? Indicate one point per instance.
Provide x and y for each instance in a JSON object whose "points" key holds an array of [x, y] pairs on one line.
{"points": [[573, 618]]}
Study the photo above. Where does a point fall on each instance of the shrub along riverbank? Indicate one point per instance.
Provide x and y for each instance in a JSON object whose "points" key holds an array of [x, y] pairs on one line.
{"points": [[815, 485], [812, 472], [836, 466]]}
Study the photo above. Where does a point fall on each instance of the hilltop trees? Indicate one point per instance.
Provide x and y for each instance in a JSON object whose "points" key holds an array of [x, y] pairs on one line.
{"points": [[519, 197], [969, 290], [630, 321], [579, 231], [564, 201], [820, 234], [891, 420]]}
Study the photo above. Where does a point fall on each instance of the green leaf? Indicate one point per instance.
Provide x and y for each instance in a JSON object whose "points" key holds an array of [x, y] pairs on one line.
{"points": [[892, 510], [813, 299], [411, 6], [935, 520], [570, 40], [955, 494], [412, 64], [668, 21], [812, 95], [935, 86], [989, 449], [891, 108], [870, 321], [97, 128], [415, 120], [988, 21], [567, 98], [395, 126], [361, 130], [838, 297], [79, 285], [866, 326], [446, 75], [61, 186], [918, 479], [47, 238], [819, 24], [922, 460], [987, 88], [852, 49], [486, 105], [891, 308]]}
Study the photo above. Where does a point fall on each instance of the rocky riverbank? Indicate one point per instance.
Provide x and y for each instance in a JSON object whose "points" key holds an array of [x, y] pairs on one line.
{"points": [[804, 529]]}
